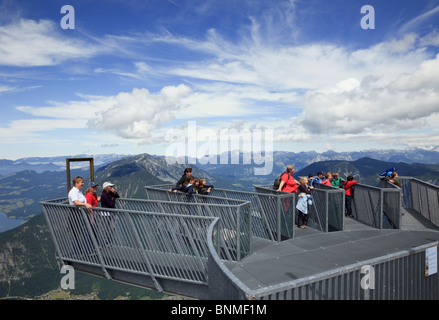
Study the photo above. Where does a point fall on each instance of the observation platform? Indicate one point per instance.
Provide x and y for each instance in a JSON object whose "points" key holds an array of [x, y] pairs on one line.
{"points": [[234, 245], [312, 254]]}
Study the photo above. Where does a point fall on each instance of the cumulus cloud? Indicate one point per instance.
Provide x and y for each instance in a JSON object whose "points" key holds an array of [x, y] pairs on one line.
{"points": [[135, 114], [357, 107]]}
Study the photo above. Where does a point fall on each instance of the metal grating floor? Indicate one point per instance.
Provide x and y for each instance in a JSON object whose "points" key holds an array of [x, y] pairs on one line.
{"points": [[313, 252]]}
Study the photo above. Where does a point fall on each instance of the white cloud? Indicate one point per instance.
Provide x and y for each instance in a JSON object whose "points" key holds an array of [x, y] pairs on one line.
{"points": [[73, 110], [353, 107], [134, 115], [375, 93], [29, 43], [22, 130]]}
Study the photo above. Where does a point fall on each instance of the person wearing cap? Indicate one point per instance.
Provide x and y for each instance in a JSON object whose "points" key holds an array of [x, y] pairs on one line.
{"points": [[106, 224], [109, 195], [91, 196]]}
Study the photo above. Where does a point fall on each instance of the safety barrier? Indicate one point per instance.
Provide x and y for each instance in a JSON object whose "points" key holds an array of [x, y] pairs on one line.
{"points": [[166, 247], [326, 211], [377, 207], [272, 215], [422, 197], [234, 235], [181, 243]]}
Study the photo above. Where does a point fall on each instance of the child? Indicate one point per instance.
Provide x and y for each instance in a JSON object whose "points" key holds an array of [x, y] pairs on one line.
{"points": [[303, 202], [189, 188], [337, 181], [183, 186], [203, 188], [328, 179]]}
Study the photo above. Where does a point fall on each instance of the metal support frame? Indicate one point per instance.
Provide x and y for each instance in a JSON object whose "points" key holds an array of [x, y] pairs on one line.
{"points": [[68, 160]]}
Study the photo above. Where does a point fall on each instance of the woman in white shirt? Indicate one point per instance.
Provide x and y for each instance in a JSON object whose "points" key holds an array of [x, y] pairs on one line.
{"points": [[76, 196]]}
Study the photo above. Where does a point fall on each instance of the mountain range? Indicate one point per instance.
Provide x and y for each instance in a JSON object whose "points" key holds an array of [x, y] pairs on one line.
{"points": [[20, 192], [27, 258], [300, 159]]}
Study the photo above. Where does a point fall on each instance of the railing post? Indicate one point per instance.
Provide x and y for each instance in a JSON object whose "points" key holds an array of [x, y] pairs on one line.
{"points": [[279, 229], [381, 213], [238, 235], [326, 212]]}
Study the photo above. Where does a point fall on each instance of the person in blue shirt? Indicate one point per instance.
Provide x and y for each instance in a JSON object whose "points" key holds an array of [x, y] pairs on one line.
{"points": [[318, 179]]}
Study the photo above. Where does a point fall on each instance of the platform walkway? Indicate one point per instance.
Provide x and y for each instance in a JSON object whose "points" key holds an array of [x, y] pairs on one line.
{"points": [[312, 253]]}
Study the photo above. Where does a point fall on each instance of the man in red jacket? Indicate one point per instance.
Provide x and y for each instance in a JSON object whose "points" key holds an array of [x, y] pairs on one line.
{"points": [[348, 184]]}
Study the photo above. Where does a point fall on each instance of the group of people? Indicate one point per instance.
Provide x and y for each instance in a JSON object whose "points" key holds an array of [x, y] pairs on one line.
{"points": [[191, 185], [90, 199], [331, 179], [304, 185], [104, 224]]}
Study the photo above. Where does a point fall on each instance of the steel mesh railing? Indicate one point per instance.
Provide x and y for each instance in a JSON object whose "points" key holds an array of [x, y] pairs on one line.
{"points": [[233, 240], [159, 245], [271, 214], [326, 211], [379, 207], [329, 206], [422, 197]]}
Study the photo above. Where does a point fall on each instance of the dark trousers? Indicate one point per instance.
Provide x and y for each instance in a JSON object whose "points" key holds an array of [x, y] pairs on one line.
{"points": [[348, 204], [302, 219]]}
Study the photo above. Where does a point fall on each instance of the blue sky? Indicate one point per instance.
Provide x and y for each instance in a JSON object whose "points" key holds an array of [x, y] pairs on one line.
{"points": [[132, 72]]}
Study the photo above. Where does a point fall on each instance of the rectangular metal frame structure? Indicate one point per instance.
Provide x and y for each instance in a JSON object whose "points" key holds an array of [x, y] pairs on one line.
{"points": [[68, 160]]}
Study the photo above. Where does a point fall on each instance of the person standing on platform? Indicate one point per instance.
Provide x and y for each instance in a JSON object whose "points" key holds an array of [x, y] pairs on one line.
{"points": [[288, 183], [348, 186]]}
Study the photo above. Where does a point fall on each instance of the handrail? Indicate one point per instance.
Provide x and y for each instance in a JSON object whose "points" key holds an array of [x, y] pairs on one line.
{"points": [[159, 245], [326, 212], [422, 197], [176, 240], [378, 207], [272, 215], [222, 281], [235, 239]]}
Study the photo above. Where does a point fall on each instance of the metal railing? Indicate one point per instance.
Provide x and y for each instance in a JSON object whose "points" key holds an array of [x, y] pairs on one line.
{"points": [[159, 245], [330, 202], [185, 238], [422, 197], [377, 207], [234, 236], [326, 211], [272, 215]]}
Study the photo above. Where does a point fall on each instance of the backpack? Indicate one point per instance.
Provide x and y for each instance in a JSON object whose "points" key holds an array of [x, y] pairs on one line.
{"points": [[277, 181], [387, 172]]}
